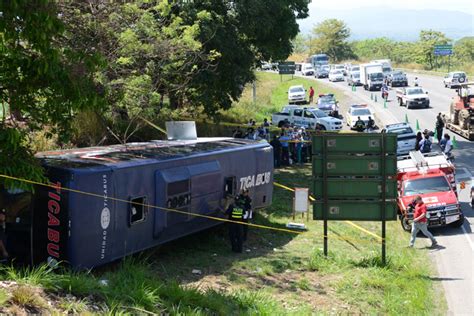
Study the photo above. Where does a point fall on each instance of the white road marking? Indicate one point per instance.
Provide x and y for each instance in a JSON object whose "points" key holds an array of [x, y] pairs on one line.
{"points": [[467, 237]]}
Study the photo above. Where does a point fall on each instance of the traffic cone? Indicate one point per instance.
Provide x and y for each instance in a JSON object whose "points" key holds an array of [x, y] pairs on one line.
{"points": [[417, 125], [455, 143], [406, 118], [375, 98], [371, 96]]}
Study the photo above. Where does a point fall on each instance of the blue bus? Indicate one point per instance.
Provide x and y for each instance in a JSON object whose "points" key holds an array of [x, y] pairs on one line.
{"points": [[319, 60], [57, 225]]}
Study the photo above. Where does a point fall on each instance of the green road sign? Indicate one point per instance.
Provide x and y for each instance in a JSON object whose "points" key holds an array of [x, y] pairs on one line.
{"points": [[355, 188], [286, 68], [354, 143], [445, 47], [355, 210], [341, 165]]}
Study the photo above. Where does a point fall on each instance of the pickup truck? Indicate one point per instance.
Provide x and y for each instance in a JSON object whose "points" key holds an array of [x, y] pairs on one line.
{"points": [[307, 117], [431, 176], [413, 97]]}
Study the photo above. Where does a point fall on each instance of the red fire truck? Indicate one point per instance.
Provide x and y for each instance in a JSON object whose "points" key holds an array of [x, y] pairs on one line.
{"points": [[431, 176]]}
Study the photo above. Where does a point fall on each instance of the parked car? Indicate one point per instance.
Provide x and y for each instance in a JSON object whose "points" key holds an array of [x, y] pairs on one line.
{"points": [[406, 137], [356, 111], [266, 66], [308, 117], [307, 70], [322, 71], [397, 79], [413, 97], [337, 67], [327, 103], [454, 79], [297, 94], [336, 75], [353, 79]]}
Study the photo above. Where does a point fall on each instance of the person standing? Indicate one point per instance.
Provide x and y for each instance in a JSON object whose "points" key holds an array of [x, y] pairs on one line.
{"points": [[419, 138], [235, 212], [311, 95], [275, 142], [285, 149], [439, 127], [245, 200], [420, 222]]}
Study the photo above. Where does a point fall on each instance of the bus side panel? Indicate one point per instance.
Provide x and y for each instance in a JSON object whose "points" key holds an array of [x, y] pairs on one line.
{"points": [[92, 219]]}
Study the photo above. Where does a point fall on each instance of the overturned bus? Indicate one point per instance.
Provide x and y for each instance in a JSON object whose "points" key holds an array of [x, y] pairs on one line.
{"points": [[86, 226]]}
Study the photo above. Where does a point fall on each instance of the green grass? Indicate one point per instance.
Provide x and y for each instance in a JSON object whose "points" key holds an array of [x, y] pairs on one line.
{"points": [[281, 274], [271, 97]]}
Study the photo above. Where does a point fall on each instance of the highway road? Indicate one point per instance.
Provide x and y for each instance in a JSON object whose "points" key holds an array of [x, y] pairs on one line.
{"points": [[455, 259]]}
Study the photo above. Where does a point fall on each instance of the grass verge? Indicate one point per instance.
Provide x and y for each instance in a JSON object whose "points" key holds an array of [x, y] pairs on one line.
{"points": [[278, 273]]}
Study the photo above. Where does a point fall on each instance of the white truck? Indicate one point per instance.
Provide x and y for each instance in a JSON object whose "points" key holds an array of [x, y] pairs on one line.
{"points": [[308, 117], [371, 76], [412, 97], [386, 65]]}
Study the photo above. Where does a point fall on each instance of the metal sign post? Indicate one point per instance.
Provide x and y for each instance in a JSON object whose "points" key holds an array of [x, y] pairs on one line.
{"points": [[286, 68]]}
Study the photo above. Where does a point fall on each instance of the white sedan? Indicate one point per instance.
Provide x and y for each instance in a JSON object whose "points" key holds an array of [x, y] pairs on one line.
{"points": [[356, 111], [336, 75]]}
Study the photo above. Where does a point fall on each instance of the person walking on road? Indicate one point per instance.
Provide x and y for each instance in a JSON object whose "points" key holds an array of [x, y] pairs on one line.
{"points": [[439, 127], [420, 222], [311, 95], [415, 82]]}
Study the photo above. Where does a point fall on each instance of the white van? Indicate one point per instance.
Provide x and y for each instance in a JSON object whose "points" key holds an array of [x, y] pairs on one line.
{"points": [[307, 70]]}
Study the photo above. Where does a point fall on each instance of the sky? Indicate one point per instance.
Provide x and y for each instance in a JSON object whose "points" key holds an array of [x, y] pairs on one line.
{"points": [[466, 6]]}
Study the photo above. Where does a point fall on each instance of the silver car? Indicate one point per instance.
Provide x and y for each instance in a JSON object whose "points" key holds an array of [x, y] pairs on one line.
{"points": [[406, 137]]}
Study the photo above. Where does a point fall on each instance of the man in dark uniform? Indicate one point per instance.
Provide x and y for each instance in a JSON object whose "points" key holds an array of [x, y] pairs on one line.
{"points": [[359, 125], [235, 211], [248, 214]]}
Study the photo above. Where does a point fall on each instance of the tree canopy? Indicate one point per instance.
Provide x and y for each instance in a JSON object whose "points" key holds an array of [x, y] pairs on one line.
{"points": [[331, 36]]}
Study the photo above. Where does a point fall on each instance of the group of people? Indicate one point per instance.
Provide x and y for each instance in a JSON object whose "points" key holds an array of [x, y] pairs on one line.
{"points": [[424, 141], [253, 131], [291, 146], [360, 125]]}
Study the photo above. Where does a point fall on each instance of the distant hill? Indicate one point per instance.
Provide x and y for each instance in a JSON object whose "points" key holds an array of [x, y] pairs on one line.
{"points": [[402, 25]]}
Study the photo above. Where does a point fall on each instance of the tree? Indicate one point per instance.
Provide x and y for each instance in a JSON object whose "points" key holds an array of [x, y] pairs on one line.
{"points": [[426, 44], [299, 44], [43, 84], [242, 33], [330, 37], [464, 50]]}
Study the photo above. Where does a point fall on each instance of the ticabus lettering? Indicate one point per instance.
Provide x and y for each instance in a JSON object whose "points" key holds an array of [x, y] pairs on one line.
{"points": [[255, 180], [54, 209]]}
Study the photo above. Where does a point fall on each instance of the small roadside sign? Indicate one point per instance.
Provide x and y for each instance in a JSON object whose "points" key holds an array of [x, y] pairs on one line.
{"points": [[286, 68]]}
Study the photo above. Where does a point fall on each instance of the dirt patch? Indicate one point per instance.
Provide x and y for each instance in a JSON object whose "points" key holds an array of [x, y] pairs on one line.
{"points": [[290, 288]]}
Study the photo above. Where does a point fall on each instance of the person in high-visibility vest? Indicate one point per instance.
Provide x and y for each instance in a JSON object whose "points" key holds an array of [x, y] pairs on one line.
{"points": [[246, 201], [235, 211]]}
